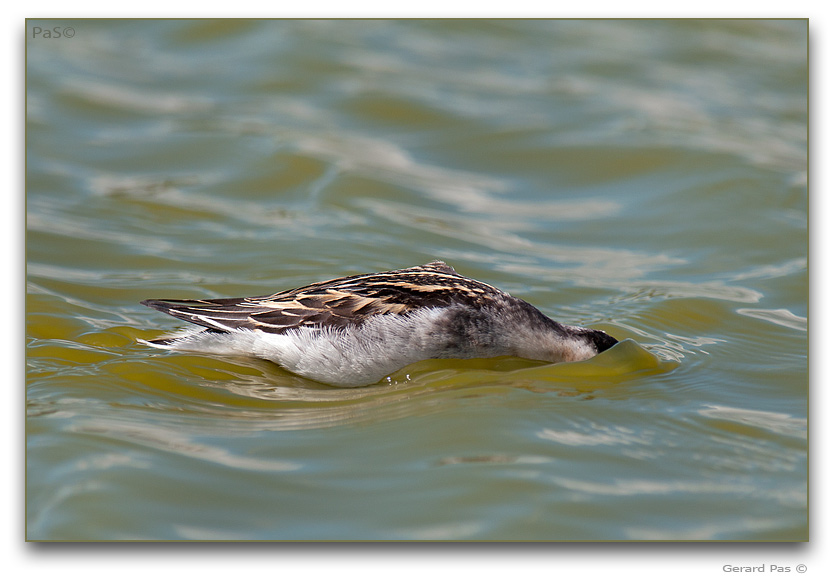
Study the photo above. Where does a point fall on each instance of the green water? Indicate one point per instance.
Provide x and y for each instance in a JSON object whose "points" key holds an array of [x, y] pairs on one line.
{"points": [[647, 178]]}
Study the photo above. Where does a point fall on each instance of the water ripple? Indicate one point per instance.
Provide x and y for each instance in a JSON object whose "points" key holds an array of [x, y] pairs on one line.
{"points": [[780, 316], [176, 441]]}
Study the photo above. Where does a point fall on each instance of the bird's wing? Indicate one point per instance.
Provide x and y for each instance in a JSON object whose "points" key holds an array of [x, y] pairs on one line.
{"points": [[334, 303]]}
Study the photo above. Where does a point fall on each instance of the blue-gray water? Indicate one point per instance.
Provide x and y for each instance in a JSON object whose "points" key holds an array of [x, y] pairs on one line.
{"points": [[643, 177]]}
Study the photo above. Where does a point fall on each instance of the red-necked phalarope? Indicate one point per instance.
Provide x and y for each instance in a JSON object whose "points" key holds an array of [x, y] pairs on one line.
{"points": [[357, 330]]}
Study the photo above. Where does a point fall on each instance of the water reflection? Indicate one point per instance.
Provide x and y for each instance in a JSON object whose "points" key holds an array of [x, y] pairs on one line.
{"points": [[416, 390]]}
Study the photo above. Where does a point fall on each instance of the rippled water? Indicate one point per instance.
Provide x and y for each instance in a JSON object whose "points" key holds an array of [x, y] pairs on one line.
{"points": [[643, 177]]}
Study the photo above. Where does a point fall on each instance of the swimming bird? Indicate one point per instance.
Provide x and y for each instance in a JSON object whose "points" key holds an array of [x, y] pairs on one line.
{"points": [[357, 330]]}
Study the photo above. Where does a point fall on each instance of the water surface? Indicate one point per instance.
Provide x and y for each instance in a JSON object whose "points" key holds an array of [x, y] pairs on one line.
{"points": [[647, 178]]}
